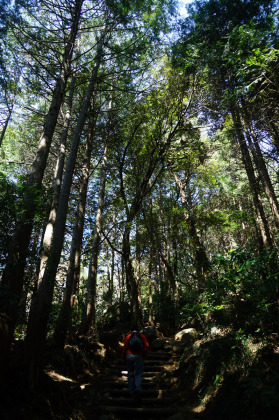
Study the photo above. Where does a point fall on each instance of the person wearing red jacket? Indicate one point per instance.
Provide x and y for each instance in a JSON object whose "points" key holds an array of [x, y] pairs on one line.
{"points": [[134, 362]]}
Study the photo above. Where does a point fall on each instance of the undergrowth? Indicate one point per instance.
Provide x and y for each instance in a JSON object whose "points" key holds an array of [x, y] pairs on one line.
{"points": [[233, 367]]}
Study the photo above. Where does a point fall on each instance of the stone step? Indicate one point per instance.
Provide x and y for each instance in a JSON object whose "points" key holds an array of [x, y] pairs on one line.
{"points": [[152, 360], [147, 368], [125, 373], [158, 356], [155, 357], [146, 393], [129, 402], [141, 412], [124, 384]]}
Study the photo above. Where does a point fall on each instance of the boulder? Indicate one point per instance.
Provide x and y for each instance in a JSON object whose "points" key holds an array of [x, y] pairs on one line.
{"points": [[151, 333], [178, 346], [215, 331], [188, 334], [99, 350], [158, 344], [167, 345]]}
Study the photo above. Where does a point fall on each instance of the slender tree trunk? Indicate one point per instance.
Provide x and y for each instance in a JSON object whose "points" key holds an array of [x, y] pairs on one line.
{"points": [[150, 291], [170, 287], [4, 129], [174, 271], [151, 261], [121, 280], [58, 175], [131, 282], [64, 320], [241, 234], [89, 315], [137, 260], [113, 257], [12, 280], [38, 323], [275, 133], [201, 260], [30, 273], [261, 166], [56, 188], [257, 199], [10, 106]]}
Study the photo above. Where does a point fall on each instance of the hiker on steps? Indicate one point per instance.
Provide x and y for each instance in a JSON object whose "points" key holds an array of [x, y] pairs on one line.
{"points": [[134, 350]]}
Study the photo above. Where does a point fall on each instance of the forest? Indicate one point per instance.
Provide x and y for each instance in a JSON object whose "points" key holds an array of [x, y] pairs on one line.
{"points": [[139, 169]]}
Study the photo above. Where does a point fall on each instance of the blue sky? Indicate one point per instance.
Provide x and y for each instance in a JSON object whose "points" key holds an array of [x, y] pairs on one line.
{"points": [[182, 6]]}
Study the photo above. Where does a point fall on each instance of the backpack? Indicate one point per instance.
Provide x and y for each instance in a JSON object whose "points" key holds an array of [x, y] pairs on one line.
{"points": [[135, 342]]}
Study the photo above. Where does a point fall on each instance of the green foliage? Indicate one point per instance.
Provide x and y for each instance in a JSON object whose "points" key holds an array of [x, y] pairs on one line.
{"points": [[9, 15], [9, 196], [166, 309], [220, 38], [241, 292], [113, 314], [246, 273], [155, 13]]}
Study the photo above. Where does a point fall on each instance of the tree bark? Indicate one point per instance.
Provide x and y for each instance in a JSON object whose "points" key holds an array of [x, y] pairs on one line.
{"points": [[38, 324], [150, 292], [131, 284], [275, 133], [56, 187], [12, 280], [261, 166], [64, 321], [137, 260], [151, 261], [201, 260], [4, 129], [111, 288], [89, 315], [257, 199]]}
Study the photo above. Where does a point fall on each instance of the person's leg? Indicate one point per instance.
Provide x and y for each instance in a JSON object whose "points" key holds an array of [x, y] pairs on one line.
{"points": [[130, 369], [138, 371]]}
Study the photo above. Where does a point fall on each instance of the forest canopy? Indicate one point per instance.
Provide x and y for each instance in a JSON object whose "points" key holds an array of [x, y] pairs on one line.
{"points": [[139, 167]]}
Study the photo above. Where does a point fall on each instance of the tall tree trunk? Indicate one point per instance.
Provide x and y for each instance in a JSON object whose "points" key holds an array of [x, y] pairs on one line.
{"points": [[174, 269], [137, 260], [12, 280], [64, 321], [257, 199], [113, 257], [4, 129], [241, 234], [275, 133], [261, 166], [38, 322], [201, 260], [58, 176], [170, 286], [150, 291], [131, 283], [89, 315], [56, 188], [151, 261], [10, 105], [30, 273]]}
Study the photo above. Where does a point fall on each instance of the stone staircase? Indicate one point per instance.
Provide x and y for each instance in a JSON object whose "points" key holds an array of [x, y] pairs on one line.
{"points": [[116, 403]]}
